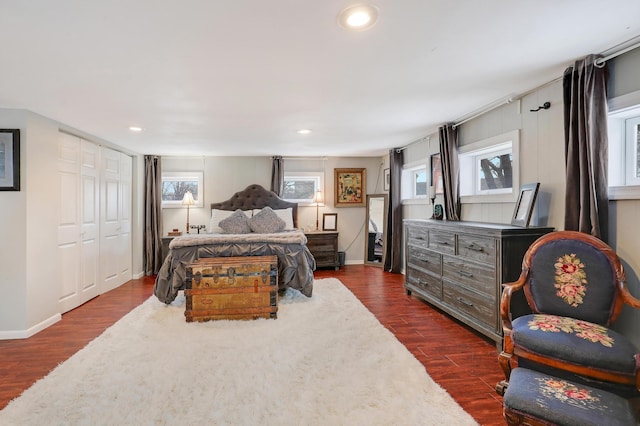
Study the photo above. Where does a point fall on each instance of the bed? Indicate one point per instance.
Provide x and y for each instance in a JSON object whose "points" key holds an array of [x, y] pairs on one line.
{"points": [[295, 262]]}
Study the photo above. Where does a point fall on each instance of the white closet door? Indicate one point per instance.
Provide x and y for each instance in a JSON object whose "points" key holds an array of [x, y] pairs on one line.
{"points": [[115, 239], [77, 221], [124, 260], [90, 218]]}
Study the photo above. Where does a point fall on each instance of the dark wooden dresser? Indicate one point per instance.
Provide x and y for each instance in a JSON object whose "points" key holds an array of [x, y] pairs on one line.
{"points": [[459, 267], [323, 245]]}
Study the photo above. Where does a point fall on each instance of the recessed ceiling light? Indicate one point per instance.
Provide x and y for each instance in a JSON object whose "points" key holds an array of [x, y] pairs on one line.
{"points": [[135, 129], [304, 131], [358, 17]]}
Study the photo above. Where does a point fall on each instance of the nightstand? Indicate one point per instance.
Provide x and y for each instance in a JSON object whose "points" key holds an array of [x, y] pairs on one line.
{"points": [[323, 245], [165, 246]]}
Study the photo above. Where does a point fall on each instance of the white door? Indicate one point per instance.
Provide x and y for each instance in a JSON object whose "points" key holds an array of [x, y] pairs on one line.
{"points": [[77, 221], [124, 260], [115, 240], [90, 219]]}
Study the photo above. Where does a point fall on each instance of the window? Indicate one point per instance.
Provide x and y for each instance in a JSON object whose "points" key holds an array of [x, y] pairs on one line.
{"points": [[176, 184], [632, 139], [301, 187], [415, 180], [489, 169], [624, 147]]}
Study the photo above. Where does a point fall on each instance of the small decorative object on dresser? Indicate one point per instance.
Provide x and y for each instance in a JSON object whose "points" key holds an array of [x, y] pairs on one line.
{"points": [[323, 245], [524, 205], [460, 266]]}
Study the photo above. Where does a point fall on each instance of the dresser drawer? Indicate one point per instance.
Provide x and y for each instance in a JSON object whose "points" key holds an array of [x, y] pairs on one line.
{"points": [[418, 236], [470, 303], [480, 277], [425, 259], [477, 248], [444, 242], [426, 282]]}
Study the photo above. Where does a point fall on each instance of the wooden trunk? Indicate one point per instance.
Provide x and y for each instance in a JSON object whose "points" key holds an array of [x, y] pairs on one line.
{"points": [[232, 288]]}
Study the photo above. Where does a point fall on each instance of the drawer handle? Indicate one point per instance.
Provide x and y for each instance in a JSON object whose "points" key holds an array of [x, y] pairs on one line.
{"points": [[424, 260], [465, 273], [423, 283], [464, 302], [474, 247], [444, 243]]}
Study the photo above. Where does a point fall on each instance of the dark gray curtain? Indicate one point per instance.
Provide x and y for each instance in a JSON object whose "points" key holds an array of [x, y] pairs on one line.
{"points": [[585, 133], [152, 215], [277, 175], [393, 254], [450, 170]]}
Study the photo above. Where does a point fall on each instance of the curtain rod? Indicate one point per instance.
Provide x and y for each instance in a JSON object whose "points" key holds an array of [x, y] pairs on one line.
{"points": [[598, 62], [601, 61], [486, 109], [305, 158]]}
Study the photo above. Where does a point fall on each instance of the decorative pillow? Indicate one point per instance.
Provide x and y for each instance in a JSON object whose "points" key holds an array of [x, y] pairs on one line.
{"points": [[237, 223], [219, 215], [284, 214], [266, 222]]}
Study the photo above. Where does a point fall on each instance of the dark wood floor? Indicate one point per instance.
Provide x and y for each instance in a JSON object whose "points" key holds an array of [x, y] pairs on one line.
{"points": [[461, 361]]}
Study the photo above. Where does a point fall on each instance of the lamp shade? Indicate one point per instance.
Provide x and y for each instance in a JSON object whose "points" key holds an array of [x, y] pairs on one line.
{"points": [[188, 200], [318, 198]]}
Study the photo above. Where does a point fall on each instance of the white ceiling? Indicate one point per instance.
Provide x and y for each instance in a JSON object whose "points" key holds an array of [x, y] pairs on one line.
{"points": [[240, 77]]}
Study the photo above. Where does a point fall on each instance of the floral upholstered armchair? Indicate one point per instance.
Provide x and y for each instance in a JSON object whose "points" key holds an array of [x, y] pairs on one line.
{"points": [[575, 287]]}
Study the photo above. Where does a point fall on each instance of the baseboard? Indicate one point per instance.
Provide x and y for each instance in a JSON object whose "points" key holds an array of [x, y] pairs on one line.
{"points": [[354, 262], [25, 334], [138, 275]]}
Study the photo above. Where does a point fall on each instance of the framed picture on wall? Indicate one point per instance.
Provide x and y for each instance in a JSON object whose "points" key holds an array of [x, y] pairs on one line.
{"points": [[9, 159], [350, 187], [387, 179], [436, 174]]}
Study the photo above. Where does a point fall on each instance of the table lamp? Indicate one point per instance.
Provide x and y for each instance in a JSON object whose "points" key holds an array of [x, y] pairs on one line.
{"points": [[318, 200], [188, 200]]}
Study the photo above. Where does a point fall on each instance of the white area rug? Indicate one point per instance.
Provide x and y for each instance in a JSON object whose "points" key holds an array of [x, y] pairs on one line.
{"points": [[325, 361]]}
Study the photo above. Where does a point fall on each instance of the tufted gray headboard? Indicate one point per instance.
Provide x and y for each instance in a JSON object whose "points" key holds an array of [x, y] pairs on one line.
{"points": [[256, 197]]}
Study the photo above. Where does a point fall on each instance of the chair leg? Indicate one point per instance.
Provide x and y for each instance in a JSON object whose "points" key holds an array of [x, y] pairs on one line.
{"points": [[505, 362], [501, 387]]}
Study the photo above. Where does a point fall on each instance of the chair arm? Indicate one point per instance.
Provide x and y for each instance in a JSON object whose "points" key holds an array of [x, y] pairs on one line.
{"points": [[627, 297], [505, 300]]}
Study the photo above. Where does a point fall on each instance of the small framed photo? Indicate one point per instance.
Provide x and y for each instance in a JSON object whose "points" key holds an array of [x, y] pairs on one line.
{"points": [[387, 179], [524, 205], [9, 159], [330, 221], [350, 187], [436, 174]]}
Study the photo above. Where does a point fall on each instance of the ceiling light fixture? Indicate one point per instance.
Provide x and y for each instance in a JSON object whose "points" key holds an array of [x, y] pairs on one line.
{"points": [[304, 131], [358, 17], [135, 129]]}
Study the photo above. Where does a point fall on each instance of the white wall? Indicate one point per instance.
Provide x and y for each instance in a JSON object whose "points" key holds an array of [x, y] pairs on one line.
{"points": [[223, 176], [542, 160], [13, 223], [29, 269]]}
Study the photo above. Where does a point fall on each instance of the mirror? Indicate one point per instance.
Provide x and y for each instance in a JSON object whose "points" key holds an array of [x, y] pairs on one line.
{"points": [[376, 225]]}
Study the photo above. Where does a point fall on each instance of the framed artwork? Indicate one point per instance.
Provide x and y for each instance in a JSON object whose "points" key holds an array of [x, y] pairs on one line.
{"points": [[436, 174], [330, 221], [350, 187], [387, 179], [524, 205], [9, 159]]}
